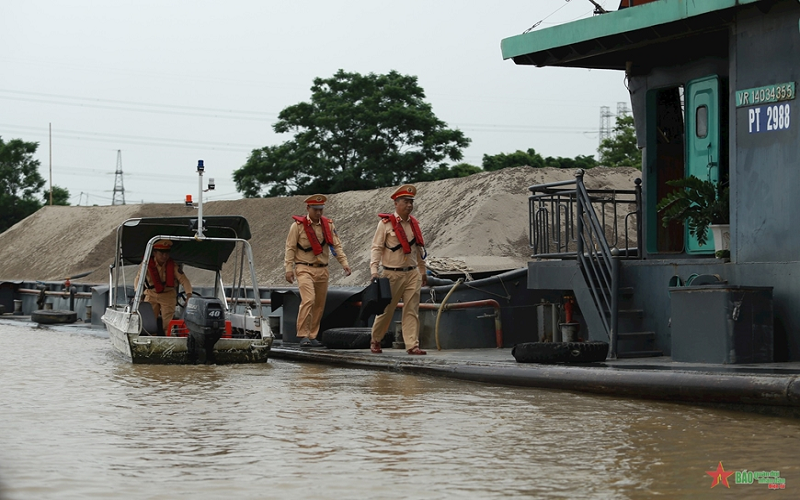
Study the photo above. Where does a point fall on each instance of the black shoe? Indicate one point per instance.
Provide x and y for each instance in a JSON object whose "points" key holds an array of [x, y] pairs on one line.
{"points": [[305, 342], [316, 343]]}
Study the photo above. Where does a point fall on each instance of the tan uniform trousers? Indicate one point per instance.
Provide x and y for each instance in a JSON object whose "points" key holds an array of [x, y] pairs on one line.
{"points": [[163, 303], [313, 285], [405, 285]]}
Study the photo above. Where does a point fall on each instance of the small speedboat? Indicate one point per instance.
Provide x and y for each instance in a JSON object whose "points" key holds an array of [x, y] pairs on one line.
{"points": [[212, 326]]}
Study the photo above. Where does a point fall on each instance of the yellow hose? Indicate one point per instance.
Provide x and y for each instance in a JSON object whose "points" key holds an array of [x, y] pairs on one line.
{"points": [[441, 308]]}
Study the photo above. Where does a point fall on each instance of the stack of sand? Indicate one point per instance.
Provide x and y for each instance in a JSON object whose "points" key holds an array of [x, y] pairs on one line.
{"points": [[472, 224]]}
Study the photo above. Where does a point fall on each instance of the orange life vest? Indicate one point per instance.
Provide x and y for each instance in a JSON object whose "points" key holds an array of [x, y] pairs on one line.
{"points": [[316, 245], [401, 233], [152, 270]]}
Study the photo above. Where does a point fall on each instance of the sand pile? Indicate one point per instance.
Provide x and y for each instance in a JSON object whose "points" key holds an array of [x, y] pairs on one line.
{"points": [[472, 224]]}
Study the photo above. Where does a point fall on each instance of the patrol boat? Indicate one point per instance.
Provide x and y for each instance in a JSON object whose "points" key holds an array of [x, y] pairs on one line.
{"points": [[212, 326]]}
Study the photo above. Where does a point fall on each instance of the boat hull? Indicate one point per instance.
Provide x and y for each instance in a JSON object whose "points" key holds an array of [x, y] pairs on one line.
{"points": [[124, 327]]}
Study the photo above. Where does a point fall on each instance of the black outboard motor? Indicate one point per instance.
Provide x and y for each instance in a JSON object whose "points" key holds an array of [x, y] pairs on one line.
{"points": [[205, 319]]}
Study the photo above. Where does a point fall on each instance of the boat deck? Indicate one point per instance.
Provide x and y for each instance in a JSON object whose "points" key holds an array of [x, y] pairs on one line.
{"points": [[751, 387]]}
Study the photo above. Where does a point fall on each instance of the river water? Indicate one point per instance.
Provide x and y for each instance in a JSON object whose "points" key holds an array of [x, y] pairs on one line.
{"points": [[80, 422]]}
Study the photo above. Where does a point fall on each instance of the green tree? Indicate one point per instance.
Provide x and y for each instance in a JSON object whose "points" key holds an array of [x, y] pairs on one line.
{"points": [[518, 158], [357, 132], [533, 159], [60, 196], [445, 172], [580, 161], [20, 181], [621, 149]]}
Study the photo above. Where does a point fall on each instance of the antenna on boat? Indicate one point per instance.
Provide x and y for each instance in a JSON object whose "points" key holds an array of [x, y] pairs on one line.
{"points": [[200, 222]]}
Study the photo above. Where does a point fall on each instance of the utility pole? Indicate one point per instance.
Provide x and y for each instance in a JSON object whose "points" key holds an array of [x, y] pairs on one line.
{"points": [[605, 123], [50, 141], [119, 188]]}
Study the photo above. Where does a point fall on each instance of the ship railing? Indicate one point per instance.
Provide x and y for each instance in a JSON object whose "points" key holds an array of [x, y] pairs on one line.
{"points": [[597, 227]]}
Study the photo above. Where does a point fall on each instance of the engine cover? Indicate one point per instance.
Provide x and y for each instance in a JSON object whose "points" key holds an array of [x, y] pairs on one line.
{"points": [[205, 320]]}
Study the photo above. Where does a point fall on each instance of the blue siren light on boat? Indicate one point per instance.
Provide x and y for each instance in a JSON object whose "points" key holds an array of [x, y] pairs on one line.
{"points": [[200, 166]]}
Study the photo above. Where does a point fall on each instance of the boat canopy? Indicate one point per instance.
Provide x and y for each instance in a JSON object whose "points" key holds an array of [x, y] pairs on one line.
{"points": [[205, 254], [668, 28]]}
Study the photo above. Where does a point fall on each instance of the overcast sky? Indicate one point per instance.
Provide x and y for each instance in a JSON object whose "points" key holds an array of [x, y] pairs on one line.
{"points": [[170, 82]]}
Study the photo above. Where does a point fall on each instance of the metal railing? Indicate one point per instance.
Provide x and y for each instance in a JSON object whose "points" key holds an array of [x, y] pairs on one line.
{"points": [[553, 213], [564, 223]]}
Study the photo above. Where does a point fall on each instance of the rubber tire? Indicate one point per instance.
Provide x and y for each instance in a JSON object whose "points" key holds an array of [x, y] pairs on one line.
{"points": [[587, 352], [51, 317], [347, 338], [541, 352]]}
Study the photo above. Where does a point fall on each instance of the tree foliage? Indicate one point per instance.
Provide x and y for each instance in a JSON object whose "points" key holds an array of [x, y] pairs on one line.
{"points": [[621, 150], [533, 159], [518, 158], [357, 132], [20, 181], [445, 172], [580, 161], [60, 196]]}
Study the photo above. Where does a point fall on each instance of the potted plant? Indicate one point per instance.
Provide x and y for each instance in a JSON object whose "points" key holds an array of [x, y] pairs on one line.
{"points": [[702, 204]]}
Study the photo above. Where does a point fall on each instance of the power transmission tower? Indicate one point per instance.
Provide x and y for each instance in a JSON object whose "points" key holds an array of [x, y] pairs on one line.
{"points": [[622, 109], [605, 123], [119, 189]]}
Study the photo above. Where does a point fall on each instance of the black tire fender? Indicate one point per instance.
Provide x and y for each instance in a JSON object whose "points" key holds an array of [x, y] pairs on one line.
{"points": [[52, 317], [347, 338], [587, 352], [541, 352]]}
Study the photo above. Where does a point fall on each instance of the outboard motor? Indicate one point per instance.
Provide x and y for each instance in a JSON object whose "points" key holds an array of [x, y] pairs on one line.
{"points": [[205, 319]]}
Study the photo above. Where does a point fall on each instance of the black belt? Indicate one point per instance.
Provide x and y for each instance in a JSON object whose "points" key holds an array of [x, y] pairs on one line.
{"points": [[311, 265], [398, 268]]}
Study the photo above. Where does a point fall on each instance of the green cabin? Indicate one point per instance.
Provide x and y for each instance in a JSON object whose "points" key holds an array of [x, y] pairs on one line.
{"points": [[713, 91]]}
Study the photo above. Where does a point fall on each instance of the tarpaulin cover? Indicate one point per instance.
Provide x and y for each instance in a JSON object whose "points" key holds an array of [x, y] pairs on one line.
{"points": [[198, 253]]}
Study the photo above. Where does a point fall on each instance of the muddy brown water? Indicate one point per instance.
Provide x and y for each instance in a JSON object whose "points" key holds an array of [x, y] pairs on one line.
{"points": [[77, 421]]}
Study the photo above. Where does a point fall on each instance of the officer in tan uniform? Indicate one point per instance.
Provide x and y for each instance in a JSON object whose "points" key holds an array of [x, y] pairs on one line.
{"points": [[306, 258], [398, 246], [162, 275]]}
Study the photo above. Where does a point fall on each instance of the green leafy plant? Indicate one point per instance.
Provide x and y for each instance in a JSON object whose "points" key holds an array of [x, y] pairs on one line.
{"points": [[700, 203]]}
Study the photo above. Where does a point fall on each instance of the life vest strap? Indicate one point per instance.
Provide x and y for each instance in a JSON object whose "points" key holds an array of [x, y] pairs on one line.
{"points": [[401, 233], [316, 245]]}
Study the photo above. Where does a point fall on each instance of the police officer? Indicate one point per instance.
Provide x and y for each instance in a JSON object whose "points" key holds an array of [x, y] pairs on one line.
{"points": [[398, 246], [306, 258], [160, 282]]}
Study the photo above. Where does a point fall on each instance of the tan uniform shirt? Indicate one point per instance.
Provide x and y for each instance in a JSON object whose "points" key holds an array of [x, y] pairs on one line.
{"points": [[384, 239], [162, 273], [297, 235]]}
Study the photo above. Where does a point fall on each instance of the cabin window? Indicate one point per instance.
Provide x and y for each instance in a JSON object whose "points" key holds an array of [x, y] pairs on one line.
{"points": [[701, 121]]}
